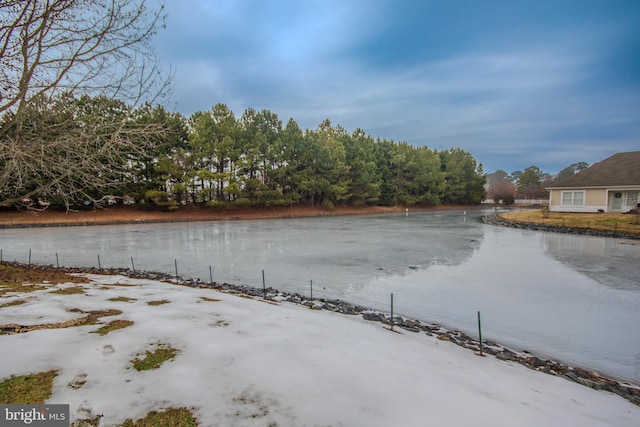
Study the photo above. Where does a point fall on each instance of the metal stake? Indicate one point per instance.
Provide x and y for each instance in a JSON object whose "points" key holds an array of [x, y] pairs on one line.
{"points": [[391, 310], [480, 333]]}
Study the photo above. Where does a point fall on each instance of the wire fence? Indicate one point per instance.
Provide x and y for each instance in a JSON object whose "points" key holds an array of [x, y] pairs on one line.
{"points": [[179, 269], [311, 290]]}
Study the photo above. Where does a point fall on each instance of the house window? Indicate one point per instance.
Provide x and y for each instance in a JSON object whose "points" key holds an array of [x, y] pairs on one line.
{"points": [[573, 198], [632, 198], [578, 198]]}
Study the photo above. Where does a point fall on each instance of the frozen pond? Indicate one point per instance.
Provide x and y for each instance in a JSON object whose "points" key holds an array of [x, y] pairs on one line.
{"points": [[572, 298]]}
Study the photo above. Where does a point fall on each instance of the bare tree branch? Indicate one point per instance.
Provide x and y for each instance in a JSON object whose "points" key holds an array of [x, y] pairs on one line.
{"points": [[79, 47], [53, 53]]}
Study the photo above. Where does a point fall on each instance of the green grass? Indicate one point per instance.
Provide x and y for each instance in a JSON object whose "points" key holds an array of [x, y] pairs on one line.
{"points": [[154, 359], [69, 291], [95, 315], [114, 325], [21, 279], [171, 417], [159, 302], [27, 389], [122, 299], [19, 288]]}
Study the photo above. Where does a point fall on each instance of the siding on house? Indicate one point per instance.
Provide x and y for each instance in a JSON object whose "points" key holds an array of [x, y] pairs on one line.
{"points": [[594, 199]]}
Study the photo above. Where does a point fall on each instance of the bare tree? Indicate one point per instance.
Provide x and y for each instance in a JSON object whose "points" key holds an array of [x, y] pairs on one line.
{"points": [[51, 53]]}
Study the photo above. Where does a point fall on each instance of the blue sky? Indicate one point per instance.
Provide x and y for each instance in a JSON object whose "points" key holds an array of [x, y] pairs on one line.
{"points": [[515, 83]]}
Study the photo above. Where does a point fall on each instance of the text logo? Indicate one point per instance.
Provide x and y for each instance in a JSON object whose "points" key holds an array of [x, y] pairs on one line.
{"points": [[34, 415]]}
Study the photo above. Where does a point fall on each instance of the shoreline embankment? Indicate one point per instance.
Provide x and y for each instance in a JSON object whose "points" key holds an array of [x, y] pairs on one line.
{"points": [[626, 390]]}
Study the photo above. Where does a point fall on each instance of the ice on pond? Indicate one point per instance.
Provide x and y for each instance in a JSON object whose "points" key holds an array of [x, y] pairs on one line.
{"points": [[573, 298]]}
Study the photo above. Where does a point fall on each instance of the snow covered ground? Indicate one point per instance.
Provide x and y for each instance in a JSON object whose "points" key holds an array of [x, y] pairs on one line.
{"points": [[246, 362]]}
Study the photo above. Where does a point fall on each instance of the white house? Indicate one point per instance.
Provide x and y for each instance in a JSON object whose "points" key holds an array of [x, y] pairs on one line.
{"points": [[611, 185]]}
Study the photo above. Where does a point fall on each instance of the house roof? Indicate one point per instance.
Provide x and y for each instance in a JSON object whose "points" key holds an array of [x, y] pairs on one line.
{"points": [[621, 169]]}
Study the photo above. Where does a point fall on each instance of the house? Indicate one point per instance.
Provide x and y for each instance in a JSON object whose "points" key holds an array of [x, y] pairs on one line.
{"points": [[611, 185]]}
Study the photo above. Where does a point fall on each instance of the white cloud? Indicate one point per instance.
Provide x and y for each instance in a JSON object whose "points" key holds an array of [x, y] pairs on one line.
{"points": [[493, 92]]}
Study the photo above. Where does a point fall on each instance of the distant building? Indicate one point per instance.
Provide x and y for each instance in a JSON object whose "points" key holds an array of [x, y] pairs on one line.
{"points": [[611, 185]]}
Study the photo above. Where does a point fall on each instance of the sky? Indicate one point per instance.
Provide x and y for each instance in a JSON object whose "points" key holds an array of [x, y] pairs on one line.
{"points": [[516, 84], [245, 362]]}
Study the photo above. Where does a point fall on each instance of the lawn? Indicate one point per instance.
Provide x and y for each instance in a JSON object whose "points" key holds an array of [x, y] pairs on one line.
{"points": [[616, 222]]}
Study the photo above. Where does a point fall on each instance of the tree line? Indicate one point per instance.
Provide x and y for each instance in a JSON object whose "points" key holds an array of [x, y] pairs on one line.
{"points": [[531, 183], [215, 158], [80, 121]]}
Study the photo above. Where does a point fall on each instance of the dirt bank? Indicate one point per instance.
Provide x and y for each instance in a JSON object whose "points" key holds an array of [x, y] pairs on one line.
{"points": [[128, 214]]}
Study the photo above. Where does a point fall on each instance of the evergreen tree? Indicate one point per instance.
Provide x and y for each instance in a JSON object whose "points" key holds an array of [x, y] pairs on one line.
{"points": [[464, 177]]}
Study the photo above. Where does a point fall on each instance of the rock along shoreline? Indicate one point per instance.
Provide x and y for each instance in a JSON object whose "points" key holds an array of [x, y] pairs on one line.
{"points": [[628, 391], [494, 219]]}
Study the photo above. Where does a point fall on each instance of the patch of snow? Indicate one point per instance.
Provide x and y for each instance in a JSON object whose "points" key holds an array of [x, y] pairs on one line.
{"points": [[247, 362]]}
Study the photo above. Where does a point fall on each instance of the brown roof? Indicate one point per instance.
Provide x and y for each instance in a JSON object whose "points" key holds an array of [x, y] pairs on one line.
{"points": [[619, 169]]}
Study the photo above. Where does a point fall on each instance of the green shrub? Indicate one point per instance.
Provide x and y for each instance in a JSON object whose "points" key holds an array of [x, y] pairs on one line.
{"points": [[328, 204], [216, 204], [508, 199], [162, 199]]}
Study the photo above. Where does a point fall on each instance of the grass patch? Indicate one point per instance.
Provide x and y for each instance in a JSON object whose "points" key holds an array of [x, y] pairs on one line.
{"points": [[154, 359], [209, 299], [94, 315], [20, 279], [21, 288], [69, 291], [91, 319], [122, 299], [616, 222], [27, 389], [159, 302], [14, 302], [171, 417], [117, 284], [113, 326]]}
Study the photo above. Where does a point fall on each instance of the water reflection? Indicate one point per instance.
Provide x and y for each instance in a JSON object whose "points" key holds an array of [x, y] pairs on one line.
{"points": [[337, 252], [605, 260], [531, 301]]}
